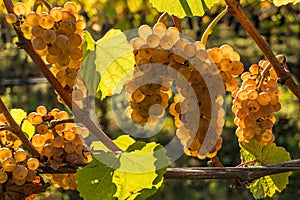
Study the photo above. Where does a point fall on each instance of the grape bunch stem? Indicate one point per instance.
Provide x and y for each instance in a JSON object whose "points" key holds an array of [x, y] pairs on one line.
{"points": [[282, 71]]}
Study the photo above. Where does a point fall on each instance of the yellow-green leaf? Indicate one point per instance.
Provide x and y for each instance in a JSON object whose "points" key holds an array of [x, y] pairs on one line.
{"points": [[284, 2], [137, 174], [114, 61], [182, 8], [19, 115], [123, 142], [269, 154]]}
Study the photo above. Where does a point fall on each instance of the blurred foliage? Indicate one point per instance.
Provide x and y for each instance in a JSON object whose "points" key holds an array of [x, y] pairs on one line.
{"points": [[279, 26]]}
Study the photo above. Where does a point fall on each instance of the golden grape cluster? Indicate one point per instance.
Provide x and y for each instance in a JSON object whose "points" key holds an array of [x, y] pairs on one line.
{"points": [[255, 102], [163, 56], [16, 166], [59, 144], [56, 36]]}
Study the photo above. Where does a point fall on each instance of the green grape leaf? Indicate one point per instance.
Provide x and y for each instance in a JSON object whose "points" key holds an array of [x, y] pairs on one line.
{"points": [[95, 179], [123, 142], [88, 72], [114, 61], [183, 8], [140, 174], [19, 115], [269, 154], [88, 43], [284, 2]]}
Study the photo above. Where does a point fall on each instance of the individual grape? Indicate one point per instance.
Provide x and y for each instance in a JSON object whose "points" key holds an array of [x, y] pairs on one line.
{"points": [[237, 68], [42, 128], [48, 150], [34, 118], [32, 19], [46, 21], [159, 29], [80, 25], [69, 147], [63, 60], [70, 6], [33, 163], [41, 110], [69, 135], [8, 164], [20, 172], [144, 31], [166, 42], [153, 40], [38, 43], [20, 155], [38, 140], [68, 26], [173, 33], [190, 50], [11, 18], [19, 8], [67, 15], [49, 36], [75, 40], [5, 153], [62, 41], [56, 13], [263, 98]]}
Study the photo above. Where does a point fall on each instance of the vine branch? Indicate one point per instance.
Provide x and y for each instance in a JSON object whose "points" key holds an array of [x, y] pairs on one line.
{"points": [[80, 114], [16, 129], [282, 71], [238, 176]]}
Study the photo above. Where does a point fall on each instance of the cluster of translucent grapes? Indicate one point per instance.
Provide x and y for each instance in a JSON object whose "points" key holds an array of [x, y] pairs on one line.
{"points": [[56, 36], [61, 143], [165, 58], [65, 181], [16, 166], [254, 104], [228, 63], [7, 138]]}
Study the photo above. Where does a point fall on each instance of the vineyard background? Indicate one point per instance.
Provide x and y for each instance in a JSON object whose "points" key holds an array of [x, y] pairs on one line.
{"points": [[279, 26]]}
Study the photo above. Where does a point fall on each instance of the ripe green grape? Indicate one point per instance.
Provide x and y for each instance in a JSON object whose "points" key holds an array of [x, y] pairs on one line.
{"points": [[37, 31], [11, 18], [56, 13], [46, 22], [38, 43], [166, 42], [33, 18], [20, 155], [49, 36], [8, 164], [153, 40], [70, 6], [38, 140], [19, 8], [68, 26], [144, 31], [62, 41], [5, 153], [20, 172], [33, 163]]}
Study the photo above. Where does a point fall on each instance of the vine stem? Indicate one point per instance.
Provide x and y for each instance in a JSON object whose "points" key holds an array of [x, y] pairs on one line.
{"points": [[80, 115], [162, 17], [211, 26], [281, 70], [246, 163], [16, 129], [177, 23]]}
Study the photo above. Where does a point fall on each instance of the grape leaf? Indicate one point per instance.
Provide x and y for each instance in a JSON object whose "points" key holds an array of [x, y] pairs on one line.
{"points": [[89, 74], [269, 154], [88, 43], [19, 115], [114, 61], [182, 8], [137, 177], [123, 142], [95, 179], [284, 2]]}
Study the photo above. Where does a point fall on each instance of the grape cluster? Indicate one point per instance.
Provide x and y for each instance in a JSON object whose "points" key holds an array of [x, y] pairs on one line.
{"points": [[255, 102], [56, 36], [166, 58], [17, 166], [228, 62], [61, 143]]}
